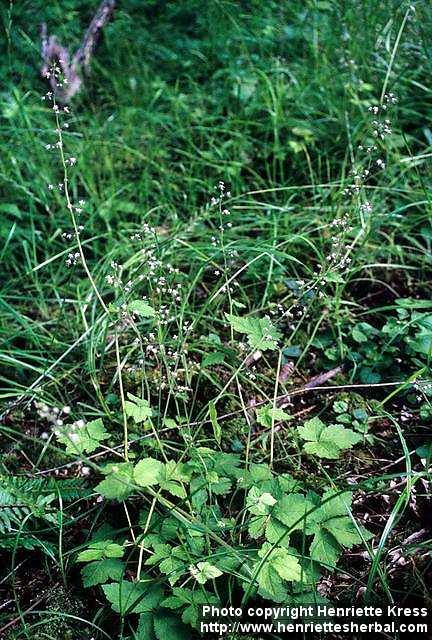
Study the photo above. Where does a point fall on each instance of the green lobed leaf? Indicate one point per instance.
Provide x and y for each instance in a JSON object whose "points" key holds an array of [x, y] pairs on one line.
{"points": [[100, 571], [191, 600], [325, 549], [132, 597], [346, 532], [311, 429], [256, 526], [323, 449], [333, 504], [280, 565], [118, 484], [291, 510], [327, 442], [148, 472], [255, 475], [271, 585], [258, 502], [260, 332], [341, 436], [276, 532], [138, 408], [169, 627], [101, 549], [141, 308], [205, 571], [145, 629], [83, 438], [283, 560], [269, 415], [213, 358]]}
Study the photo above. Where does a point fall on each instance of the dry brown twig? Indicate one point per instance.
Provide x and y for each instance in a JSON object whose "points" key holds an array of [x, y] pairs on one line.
{"points": [[53, 52], [314, 382]]}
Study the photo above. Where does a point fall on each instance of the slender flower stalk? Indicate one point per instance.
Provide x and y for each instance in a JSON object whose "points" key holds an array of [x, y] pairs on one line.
{"points": [[70, 207]]}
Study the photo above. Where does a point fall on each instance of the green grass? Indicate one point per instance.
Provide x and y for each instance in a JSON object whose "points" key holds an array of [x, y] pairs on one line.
{"points": [[273, 100]]}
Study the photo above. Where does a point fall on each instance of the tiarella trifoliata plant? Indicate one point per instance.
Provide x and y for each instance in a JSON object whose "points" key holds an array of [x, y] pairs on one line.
{"points": [[203, 525], [215, 324]]}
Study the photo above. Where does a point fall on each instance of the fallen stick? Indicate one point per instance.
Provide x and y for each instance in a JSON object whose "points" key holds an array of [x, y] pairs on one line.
{"points": [[54, 53], [314, 382]]}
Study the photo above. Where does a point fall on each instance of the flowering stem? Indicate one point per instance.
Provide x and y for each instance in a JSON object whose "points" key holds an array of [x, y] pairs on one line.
{"points": [[70, 209], [125, 425]]}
